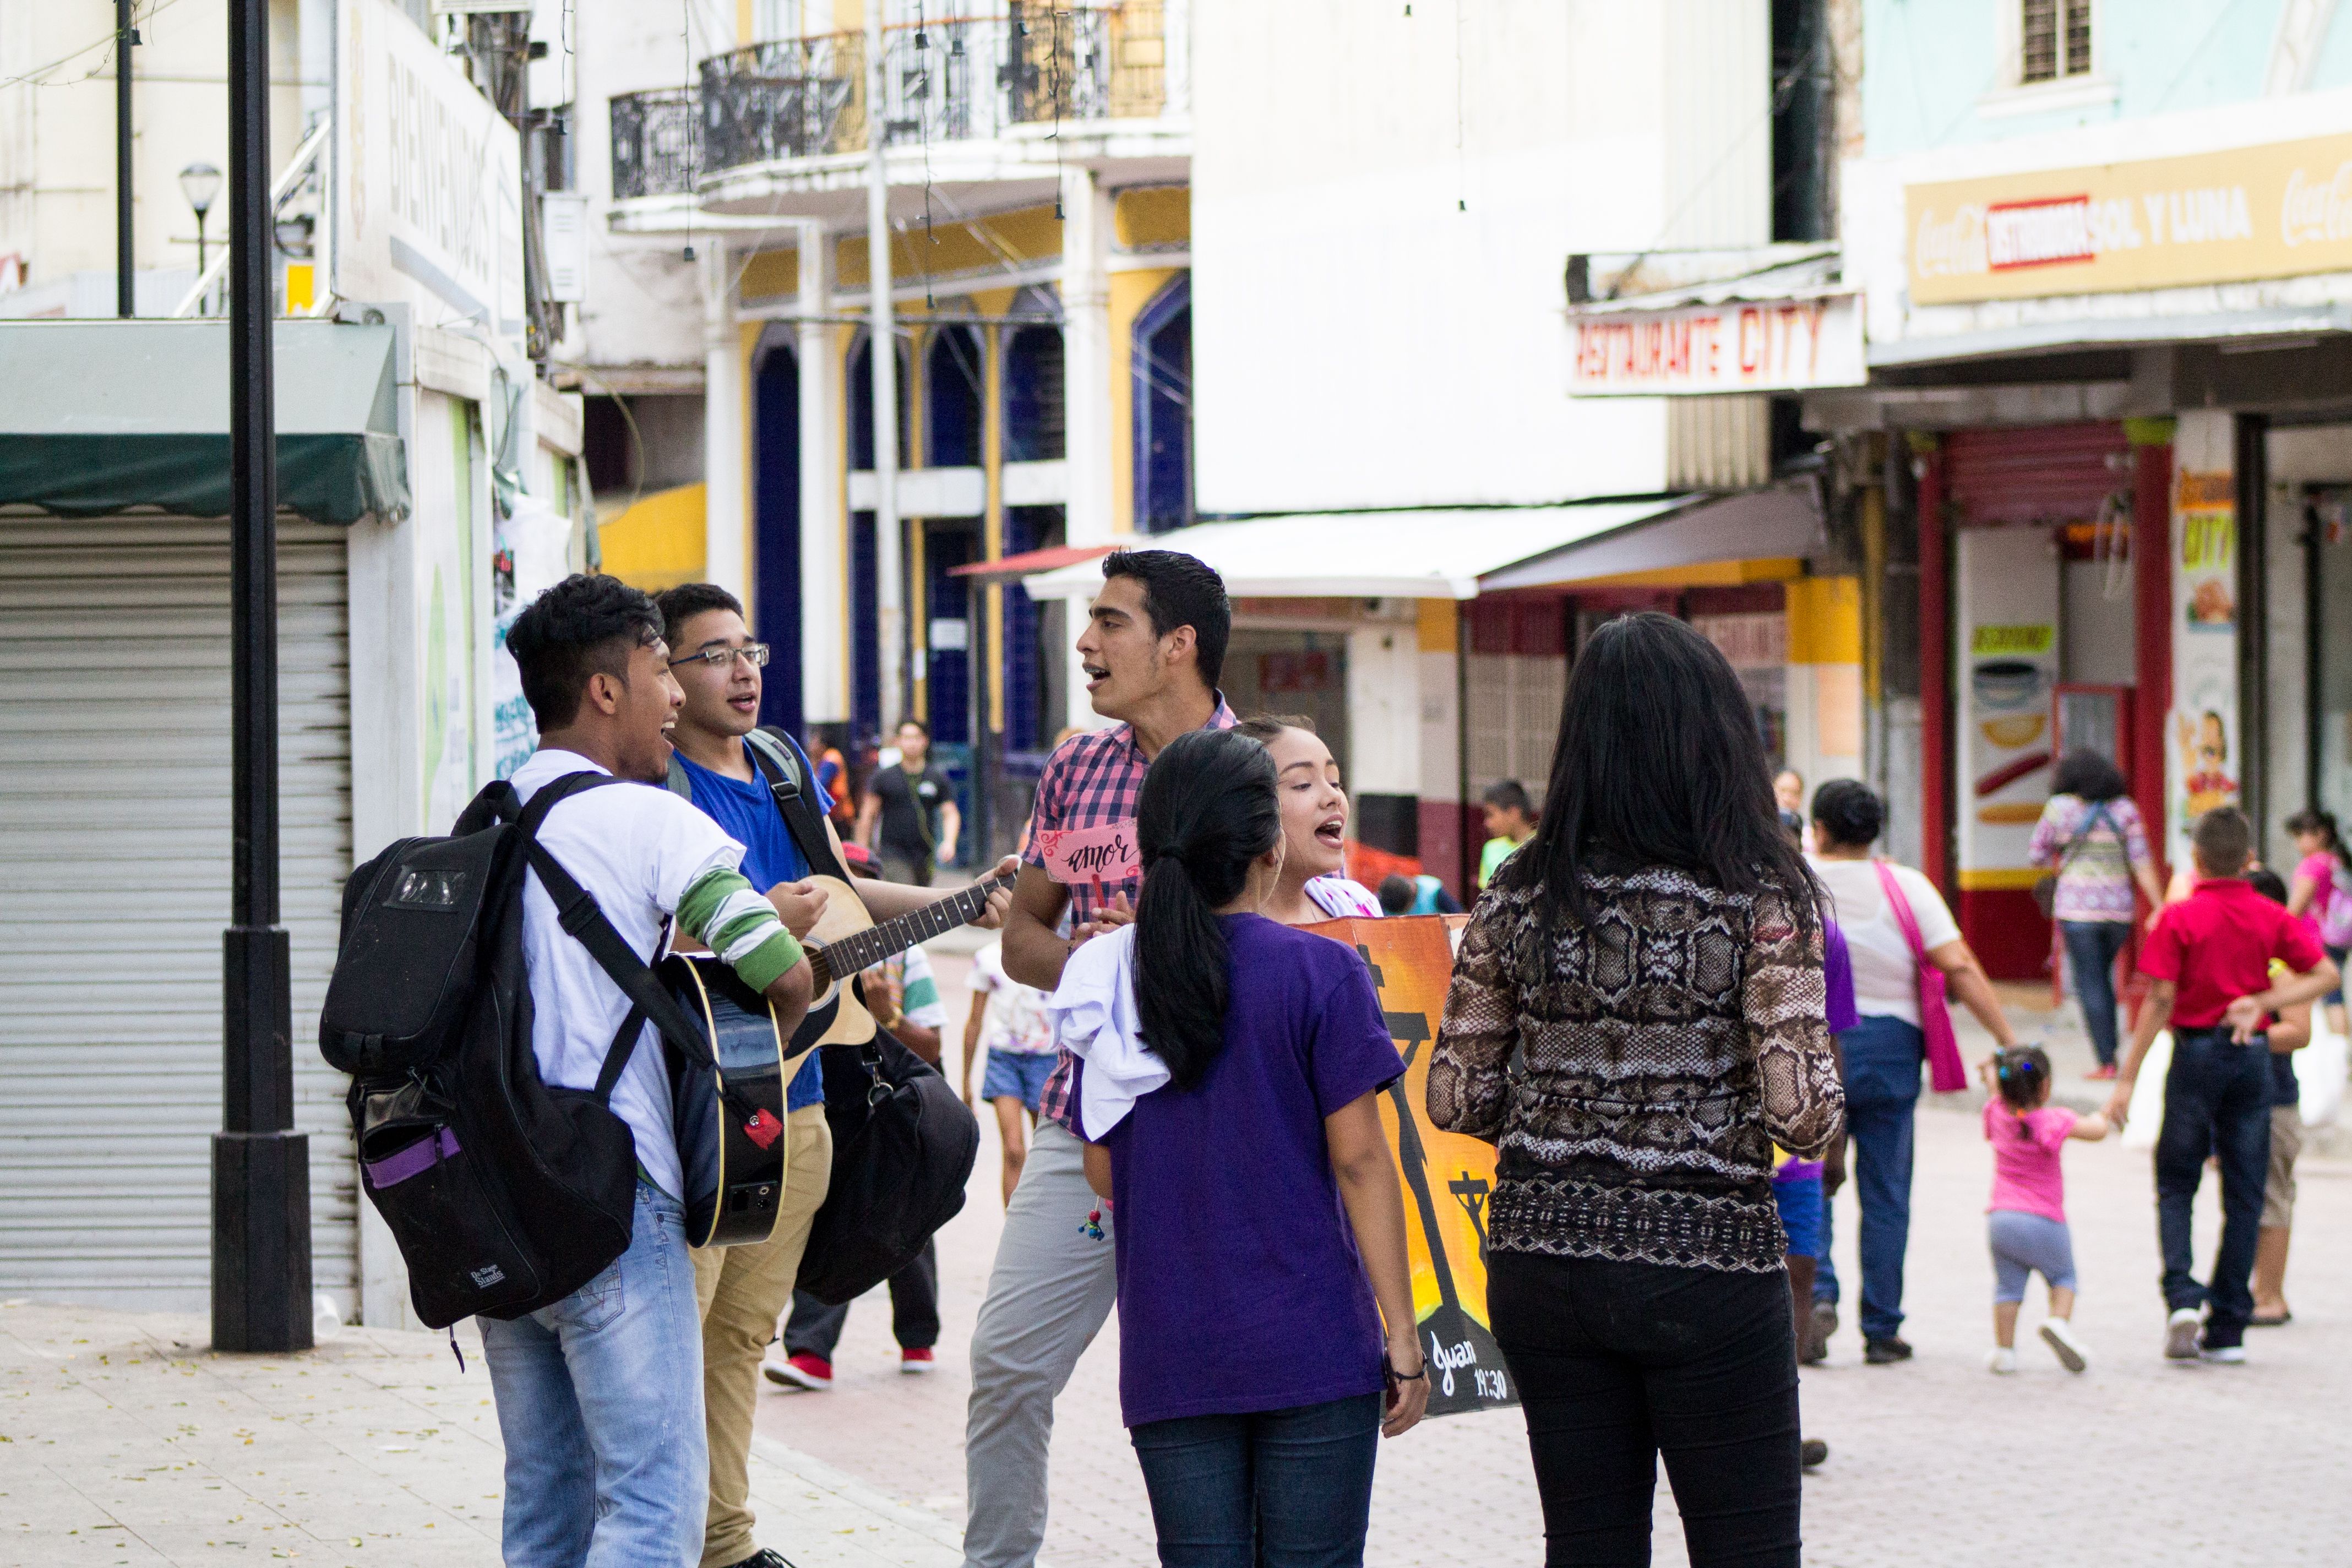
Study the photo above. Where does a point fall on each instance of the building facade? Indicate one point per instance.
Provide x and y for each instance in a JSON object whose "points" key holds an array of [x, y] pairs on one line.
{"points": [[2107, 259]]}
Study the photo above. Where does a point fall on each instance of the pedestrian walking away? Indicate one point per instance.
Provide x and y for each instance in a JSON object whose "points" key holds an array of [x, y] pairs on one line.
{"points": [[1882, 1055], [715, 763], [2092, 838], [1510, 820], [1801, 1188], [600, 1397], [1152, 650], [2209, 957], [1637, 1276], [1261, 1352], [2026, 1224], [909, 819]]}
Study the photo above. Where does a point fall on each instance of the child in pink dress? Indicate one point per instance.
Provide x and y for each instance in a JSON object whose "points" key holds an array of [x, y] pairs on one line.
{"points": [[2026, 1221]]}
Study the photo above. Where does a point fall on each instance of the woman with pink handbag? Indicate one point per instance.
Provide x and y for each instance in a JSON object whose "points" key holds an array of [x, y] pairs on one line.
{"points": [[1906, 951]]}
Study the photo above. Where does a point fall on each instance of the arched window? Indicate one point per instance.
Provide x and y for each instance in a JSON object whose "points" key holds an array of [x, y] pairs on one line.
{"points": [[1033, 394], [952, 399], [861, 404], [776, 522], [1163, 356]]}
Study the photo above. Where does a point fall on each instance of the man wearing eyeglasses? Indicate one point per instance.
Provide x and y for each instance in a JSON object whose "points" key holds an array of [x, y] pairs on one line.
{"points": [[743, 1290]]}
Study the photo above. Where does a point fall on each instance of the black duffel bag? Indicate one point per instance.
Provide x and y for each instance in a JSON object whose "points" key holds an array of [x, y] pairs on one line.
{"points": [[903, 1147]]}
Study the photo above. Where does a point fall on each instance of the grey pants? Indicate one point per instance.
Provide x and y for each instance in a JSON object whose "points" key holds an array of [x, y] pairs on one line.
{"points": [[1049, 1295]]}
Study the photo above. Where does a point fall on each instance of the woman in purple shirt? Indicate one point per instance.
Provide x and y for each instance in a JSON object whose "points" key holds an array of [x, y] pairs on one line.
{"points": [[1243, 1150]]}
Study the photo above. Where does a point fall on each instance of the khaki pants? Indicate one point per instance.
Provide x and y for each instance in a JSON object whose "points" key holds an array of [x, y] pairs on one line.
{"points": [[742, 1291]]}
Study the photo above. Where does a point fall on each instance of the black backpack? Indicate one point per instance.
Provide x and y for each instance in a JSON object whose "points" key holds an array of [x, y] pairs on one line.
{"points": [[903, 1143], [504, 1193]]}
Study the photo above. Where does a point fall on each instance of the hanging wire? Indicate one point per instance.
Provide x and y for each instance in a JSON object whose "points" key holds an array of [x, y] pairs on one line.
{"points": [[1056, 87], [923, 128], [694, 141], [107, 42]]}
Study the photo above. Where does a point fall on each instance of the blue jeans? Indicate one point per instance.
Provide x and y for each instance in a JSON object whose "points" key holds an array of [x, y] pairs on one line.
{"points": [[2217, 1101], [2091, 950], [600, 1405], [1883, 1057], [1279, 1488]]}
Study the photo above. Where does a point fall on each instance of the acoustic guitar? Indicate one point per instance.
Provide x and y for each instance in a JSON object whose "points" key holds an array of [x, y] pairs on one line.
{"points": [[847, 941], [730, 1111]]}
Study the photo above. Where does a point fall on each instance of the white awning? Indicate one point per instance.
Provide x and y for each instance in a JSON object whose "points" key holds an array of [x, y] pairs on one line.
{"points": [[1779, 520], [1433, 554]]}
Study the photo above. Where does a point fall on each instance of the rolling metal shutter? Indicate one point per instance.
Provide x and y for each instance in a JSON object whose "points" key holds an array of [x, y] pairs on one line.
{"points": [[114, 837]]}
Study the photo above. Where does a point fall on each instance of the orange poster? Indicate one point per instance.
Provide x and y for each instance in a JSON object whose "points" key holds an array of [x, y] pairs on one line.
{"points": [[1446, 1177]]}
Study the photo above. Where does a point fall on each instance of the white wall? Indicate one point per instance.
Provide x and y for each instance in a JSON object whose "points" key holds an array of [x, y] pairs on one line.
{"points": [[1383, 209], [644, 306]]}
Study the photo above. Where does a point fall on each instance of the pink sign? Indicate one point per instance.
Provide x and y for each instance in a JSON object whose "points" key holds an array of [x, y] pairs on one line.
{"points": [[1097, 855]]}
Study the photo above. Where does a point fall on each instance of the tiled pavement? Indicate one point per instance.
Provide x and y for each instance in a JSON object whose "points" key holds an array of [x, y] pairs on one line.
{"points": [[122, 1441]]}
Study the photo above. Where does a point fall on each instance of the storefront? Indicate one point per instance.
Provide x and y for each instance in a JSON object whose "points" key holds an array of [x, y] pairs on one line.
{"points": [[2122, 392]]}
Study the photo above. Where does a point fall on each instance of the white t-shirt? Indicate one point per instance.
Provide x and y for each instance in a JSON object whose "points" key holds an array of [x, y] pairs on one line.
{"points": [[1340, 899], [1014, 1018], [637, 848], [1886, 980]]}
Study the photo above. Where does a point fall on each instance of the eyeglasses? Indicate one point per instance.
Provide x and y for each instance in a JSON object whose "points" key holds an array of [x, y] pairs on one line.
{"points": [[754, 654]]}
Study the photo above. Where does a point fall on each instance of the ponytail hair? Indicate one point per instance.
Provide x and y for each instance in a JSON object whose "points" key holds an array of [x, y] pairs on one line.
{"points": [[1207, 811]]}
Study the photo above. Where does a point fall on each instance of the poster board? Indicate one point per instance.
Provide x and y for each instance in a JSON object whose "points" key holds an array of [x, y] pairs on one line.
{"points": [[1446, 1178]]}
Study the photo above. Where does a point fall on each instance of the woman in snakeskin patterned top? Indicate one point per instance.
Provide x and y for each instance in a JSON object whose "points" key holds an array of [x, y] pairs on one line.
{"points": [[1637, 1017]]}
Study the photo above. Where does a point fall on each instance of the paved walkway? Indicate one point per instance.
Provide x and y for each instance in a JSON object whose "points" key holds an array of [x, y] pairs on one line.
{"points": [[123, 1440]]}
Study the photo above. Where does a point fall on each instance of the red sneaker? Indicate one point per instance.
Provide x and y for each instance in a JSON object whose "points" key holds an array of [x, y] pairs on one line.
{"points": [[802, 1371], [2105, 1073], [917, 1361]]}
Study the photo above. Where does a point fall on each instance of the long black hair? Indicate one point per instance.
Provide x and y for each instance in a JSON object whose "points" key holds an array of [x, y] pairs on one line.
{"points": [[1206, 812], [2312, 819], [1659, 762]]}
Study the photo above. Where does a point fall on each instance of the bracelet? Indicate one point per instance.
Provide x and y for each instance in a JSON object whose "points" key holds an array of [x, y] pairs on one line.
{"points": [[1389, 1371]]}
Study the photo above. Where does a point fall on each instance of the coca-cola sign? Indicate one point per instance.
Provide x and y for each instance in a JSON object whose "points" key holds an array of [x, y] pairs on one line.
{"points": [[2276, 210]]}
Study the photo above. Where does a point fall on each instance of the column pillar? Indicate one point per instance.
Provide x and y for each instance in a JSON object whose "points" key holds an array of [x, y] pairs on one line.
{"points": [[726, 552], [1085, 385], [824, 609]]}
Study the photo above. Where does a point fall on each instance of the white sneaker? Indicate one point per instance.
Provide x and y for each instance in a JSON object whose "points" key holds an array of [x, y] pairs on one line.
{"points": [[2225, 1355], [2000, 1359], [2181, 1332], [2059, 1335]]}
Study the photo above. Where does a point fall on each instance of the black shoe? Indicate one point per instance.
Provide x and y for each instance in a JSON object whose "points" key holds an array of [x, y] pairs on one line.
{"points": [[1885, 1352], [1811, 1452], [766, 1557]]}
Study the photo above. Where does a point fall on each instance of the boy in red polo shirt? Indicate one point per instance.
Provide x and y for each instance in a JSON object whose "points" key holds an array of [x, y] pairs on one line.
{"points": [[2209, 957]]}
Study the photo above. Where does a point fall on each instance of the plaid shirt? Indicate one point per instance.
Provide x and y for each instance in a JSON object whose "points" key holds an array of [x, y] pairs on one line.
{"points": [[1090, 781]]}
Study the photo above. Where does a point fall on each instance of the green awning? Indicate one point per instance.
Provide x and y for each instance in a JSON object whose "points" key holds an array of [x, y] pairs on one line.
{"points": [[101, 416]]}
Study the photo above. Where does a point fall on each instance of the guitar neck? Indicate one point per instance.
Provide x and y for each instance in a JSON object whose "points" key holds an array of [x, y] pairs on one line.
{"points": [[840, 959]]}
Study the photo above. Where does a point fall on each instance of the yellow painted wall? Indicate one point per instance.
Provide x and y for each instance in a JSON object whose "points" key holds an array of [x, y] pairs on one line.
{"points": [[1129, 293], [1030, 233], [1438, 625], [1825, 620], [1154, 215], [770, 275], [658, 543]]}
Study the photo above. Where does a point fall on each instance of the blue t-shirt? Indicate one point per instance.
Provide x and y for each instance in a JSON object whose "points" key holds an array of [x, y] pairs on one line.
{"points": [[1239, 1288], [748, 811]]}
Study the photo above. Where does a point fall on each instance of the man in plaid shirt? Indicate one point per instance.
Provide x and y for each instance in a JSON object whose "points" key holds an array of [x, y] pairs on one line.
{"points": [[1152, 650]]}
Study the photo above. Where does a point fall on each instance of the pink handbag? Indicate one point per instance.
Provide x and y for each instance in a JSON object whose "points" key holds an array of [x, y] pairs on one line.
{"points": [[1947, 1074]]}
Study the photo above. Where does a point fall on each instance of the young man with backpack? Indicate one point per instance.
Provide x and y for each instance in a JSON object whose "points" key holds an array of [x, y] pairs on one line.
{"points": [[723, 762], [600, 1394]]}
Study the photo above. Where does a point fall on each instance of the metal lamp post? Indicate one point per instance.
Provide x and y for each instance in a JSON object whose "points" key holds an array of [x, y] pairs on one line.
{"points": [[261, 1166], [200, 182]]}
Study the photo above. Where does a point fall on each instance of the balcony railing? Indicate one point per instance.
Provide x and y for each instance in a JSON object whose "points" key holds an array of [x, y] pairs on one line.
{"points": [[944, 81], [654, 134]]}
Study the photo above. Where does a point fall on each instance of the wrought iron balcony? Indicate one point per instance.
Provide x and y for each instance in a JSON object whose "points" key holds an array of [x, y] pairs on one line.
{"points": [[943, 81], [654, 142]]}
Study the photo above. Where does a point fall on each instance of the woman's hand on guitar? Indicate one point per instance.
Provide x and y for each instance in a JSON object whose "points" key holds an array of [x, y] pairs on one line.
{"points": [[993, 917], [800, 905]]}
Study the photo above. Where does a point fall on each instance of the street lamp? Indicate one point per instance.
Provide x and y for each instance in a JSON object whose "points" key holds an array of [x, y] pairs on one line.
{"points": [[200, 182]]}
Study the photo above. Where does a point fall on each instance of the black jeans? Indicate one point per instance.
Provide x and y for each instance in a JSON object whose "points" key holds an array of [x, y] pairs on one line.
{"points": [[1275, 1488], [816, 1328], [2091, 950], [2217, 1101], [1620, 1363]]}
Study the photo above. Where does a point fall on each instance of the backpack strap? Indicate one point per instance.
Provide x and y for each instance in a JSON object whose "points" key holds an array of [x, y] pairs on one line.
{"points": [[774, 756], [577, 911]]}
